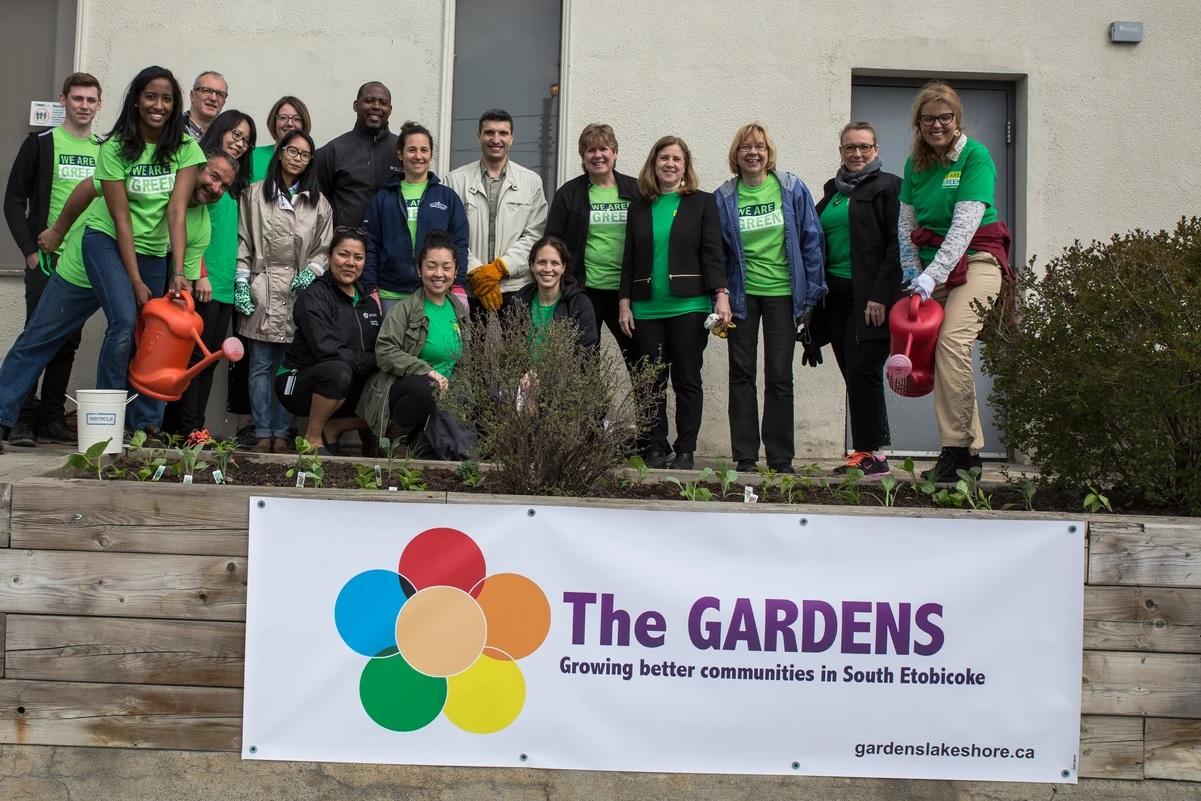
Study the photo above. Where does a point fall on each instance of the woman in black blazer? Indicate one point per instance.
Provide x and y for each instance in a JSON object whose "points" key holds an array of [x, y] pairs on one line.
{"points": [[673, 275]]}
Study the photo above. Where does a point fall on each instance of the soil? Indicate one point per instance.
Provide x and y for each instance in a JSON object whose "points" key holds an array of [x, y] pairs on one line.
{"points": [[342, 474]]}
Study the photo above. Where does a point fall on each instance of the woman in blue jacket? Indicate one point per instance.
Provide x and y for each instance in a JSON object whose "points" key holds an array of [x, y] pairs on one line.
{"points": [[773, 249], [401, 215]]}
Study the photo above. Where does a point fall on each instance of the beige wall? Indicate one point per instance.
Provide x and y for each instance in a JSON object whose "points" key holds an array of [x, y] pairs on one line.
{"points": [[1093, 117]]}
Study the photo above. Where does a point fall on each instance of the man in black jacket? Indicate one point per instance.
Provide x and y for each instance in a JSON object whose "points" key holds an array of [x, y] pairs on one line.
{"points": [[354, 166], [48, 166]]}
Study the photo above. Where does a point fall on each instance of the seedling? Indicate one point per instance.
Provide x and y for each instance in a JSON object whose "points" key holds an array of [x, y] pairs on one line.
{"points": [[638, 465], [410, 479], [694, 490], [470, 474], [769, 479], [89, 461], [365, 477], [726, 475], [1096, 502], [891, 487], [308, 461], [848, 490], [968, 486]]}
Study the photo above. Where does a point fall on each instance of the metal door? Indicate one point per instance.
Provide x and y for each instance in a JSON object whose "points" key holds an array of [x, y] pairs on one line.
{"points": [[988, 118], [507, 56]]}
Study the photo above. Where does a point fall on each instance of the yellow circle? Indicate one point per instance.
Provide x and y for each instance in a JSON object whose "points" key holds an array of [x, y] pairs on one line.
{"points": [[486, 697], [441, 631]]}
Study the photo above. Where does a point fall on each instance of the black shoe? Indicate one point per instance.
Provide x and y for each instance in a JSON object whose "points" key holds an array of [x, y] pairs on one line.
{"points": [[683, 460], [783, 468], [57, 431], [245, 438], [3, 436], [656, 460], [745, 466], [864, 462], [22, 435], [950, 460]]}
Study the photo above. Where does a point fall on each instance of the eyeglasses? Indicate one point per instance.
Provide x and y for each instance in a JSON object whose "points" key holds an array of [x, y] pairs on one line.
{"points": [[208, 90], [238, 136], [295, 119], [297, 153], [760, 147], [350, 229], [853, 149], [928, 120]]}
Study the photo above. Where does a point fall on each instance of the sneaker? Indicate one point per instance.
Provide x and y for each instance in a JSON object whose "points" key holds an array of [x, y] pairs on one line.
{"points": [[57, 431], [22, 435], [867, 463], [950, 460], [683, 460]]}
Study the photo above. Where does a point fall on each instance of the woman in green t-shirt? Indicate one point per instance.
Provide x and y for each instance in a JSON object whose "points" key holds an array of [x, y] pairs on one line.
{"points": [[673, 275], [953, 249], [417, 348], [288, 114]]}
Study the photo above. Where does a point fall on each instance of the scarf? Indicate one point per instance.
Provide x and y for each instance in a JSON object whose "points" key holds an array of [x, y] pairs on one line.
{"points": [[845, 181]]}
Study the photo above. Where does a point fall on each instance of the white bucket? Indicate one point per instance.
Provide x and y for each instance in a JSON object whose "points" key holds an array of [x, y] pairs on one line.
{"points": [[101, 417]]}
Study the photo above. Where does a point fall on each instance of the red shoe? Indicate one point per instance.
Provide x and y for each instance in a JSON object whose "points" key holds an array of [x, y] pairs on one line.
{"points": [[865, 462]]}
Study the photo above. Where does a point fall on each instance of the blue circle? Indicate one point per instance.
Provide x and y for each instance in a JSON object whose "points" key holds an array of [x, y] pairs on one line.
{"points": [[366, 609]]}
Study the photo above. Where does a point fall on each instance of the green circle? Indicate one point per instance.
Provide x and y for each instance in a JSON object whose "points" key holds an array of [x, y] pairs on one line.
{"points": [[399, 698]]}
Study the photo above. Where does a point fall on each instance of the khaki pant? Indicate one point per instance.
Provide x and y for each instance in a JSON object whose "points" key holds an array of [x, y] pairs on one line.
{"points": [[955, 404]]}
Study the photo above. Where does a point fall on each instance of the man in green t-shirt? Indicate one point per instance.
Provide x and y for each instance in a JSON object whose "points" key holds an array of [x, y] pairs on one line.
{"points": [[48, 166]]}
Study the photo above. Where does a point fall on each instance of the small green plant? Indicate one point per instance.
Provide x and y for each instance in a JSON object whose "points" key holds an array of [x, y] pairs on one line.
{"points": [[694, 490], [1027, 488], [90, 461], [638, 465], [891, 487], [948, 499], [470, 474], [769, 479], [791, 486], [147, 471], [968, 486], [848, 490], [409, 478], [364, 477], [391, 449], [726, 475], [1096, 502], [308, 461], [910, 469], [223, 454], [136, 441], [188, 462]]}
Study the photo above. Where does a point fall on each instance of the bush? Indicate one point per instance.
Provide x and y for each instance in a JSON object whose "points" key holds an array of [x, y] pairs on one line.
{"points": [[1098, 376], [552, 419]]}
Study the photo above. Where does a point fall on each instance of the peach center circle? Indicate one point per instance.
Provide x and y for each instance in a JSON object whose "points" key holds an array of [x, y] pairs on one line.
{"points": [[441, 631]]}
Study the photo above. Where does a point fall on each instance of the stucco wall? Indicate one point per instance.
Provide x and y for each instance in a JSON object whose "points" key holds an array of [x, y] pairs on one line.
{"points": [[1099, 126]]}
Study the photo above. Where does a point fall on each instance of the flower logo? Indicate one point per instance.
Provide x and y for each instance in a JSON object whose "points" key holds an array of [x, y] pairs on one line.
{"points": [[442, 636]]}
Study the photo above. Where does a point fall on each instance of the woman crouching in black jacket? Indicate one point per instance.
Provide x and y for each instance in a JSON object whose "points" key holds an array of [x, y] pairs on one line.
{"points": [[555, 295], [328, 363]]}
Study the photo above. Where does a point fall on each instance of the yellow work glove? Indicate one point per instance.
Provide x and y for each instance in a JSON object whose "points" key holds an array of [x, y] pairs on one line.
{"points": [[486, 277], [490, 298]]}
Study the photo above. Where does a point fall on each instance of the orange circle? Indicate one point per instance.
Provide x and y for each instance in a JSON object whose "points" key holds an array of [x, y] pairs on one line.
{"points": [[440, 631], [517, 612]]}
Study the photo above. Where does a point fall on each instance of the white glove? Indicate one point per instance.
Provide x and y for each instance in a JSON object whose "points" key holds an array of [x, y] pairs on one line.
{"points": [[922, 285]]}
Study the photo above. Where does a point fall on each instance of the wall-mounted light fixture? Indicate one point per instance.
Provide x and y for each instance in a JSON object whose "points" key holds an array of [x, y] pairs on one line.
{"points": [[1126, 32]]}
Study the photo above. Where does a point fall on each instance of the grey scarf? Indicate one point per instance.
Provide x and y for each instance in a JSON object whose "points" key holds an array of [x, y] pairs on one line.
{"points": [[845, 181]]}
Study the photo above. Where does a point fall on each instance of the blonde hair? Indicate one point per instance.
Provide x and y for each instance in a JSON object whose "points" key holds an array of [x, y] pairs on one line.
{"points": [[751, 129], [933, 92], [597, 133], [648, 183]]}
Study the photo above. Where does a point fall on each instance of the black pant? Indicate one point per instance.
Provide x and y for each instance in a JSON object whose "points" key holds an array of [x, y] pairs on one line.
{"points": [[237, 392], [333, 379], [477, 310], [187, 414], [411, 401], [680, 343], [861, 362], [779, 342], [604, 303], [57, 373]]}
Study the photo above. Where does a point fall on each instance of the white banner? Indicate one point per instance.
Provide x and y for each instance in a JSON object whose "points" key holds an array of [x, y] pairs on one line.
{"points": [[706, 642]]}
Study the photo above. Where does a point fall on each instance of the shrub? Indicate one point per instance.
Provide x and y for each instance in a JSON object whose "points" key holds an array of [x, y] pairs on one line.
{"points": [[553, 419], [1099, 373]]}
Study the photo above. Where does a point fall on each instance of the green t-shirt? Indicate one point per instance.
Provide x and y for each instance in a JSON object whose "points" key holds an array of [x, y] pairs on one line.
{"points": [[411, 195], [70, 260], [606, 242], [934, 191], [443, 344], [148, 187], [260, 158], [388, 294], [74, 160], [761, 224], [540, 317], [662, 303], [200, 234], [836, 223], [221, 258]]}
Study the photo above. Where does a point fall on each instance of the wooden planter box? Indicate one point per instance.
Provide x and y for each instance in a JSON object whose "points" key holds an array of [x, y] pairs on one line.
{"points": [[122, 611]]}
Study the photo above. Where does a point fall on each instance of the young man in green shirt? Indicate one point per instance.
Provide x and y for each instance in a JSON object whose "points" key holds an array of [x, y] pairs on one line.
{"points": [[48, 166]]}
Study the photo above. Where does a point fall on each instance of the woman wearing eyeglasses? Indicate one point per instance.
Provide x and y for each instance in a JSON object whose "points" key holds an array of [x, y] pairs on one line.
{"points": [[288, 114], [858, 213], [283, 237], [773, 256], [955, 250]]}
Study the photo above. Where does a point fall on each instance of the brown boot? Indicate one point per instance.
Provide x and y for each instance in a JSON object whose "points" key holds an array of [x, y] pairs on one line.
{"points": [[262, 446], [280, 445]]}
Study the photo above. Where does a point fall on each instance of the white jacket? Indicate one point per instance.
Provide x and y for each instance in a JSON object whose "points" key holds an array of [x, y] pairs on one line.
{"points": [[520, 218]]}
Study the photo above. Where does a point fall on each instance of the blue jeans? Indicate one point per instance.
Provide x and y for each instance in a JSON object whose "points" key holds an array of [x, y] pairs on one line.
{"points": [[271, 419], [62, 309], [106, 272]]}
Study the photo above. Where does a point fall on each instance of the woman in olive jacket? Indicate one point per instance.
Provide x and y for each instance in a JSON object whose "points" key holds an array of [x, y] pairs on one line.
{"points": [[858, 213]]}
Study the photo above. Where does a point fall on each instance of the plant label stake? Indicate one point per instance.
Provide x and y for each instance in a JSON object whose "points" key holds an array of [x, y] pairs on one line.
{"points": [[218, 477], [158, 473], [187, 479], [300, 477], [748, 494], [379, 475]]}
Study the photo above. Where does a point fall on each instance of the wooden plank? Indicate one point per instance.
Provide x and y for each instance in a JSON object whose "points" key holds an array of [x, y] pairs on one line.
{"points": [[120, 715], [166, 518], [1153, 554], [123, 584], [6, 500], [1159, 685], [1142, 619], [3, 623], [1173, 749], [1111, 747], [124, 651]]}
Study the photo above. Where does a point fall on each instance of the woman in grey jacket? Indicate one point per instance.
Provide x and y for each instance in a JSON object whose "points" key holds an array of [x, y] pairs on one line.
{"points": [[284, 232]]}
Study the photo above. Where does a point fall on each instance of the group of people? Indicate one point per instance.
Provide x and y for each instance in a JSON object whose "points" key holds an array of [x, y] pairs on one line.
{"points": [[352, 271]]}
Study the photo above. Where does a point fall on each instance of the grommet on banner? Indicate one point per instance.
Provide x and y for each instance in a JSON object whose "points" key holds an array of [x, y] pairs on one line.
{"points": [[796, 765], [1065, 773], [530, 512], [524, 757], [254, 749], [1071, 529], [262, 504], [804, 521]]}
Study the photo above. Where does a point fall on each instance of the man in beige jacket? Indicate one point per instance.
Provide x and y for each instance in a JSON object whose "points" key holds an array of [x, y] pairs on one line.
{"points": [[506, 214]]}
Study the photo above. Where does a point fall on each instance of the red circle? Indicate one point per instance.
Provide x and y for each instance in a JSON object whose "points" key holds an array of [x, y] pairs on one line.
{"points": [[443, 557]]}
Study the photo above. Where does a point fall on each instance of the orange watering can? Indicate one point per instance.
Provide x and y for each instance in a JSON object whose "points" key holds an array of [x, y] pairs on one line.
{"points": [[914, 326], [168, 331]]}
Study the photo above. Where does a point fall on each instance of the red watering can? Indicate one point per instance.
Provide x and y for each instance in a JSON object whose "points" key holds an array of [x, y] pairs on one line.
{"points": [[914, 326], [168, 331]]}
